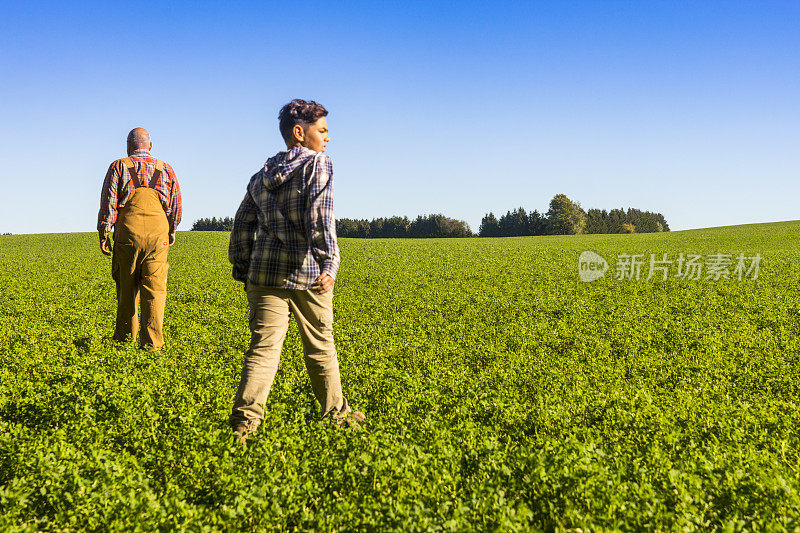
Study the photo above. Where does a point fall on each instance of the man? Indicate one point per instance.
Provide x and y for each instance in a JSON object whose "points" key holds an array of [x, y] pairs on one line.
{"points": [[283, 248], [141, 201]]}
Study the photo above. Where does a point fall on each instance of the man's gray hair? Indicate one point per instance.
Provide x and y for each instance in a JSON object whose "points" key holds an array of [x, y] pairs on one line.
{"points": [[139, 138]]}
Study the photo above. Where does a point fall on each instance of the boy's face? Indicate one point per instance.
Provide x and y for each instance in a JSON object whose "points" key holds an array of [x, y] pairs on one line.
{"points": [[315, 136]]}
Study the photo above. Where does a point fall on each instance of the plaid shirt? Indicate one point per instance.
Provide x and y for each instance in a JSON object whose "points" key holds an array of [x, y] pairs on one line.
{"points": [[118, 189], [284, 234]]}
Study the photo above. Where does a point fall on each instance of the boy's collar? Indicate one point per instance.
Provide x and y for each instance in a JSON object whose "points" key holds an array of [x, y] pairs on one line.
{"points": [[300, 150]]}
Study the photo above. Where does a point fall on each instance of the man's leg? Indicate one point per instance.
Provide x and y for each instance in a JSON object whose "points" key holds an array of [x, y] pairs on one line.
{"points": [[314, 316], [269, 320], [153, 288], [125, 274]]}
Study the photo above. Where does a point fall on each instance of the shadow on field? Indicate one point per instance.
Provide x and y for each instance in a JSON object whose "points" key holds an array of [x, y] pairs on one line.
{"points": [[60, 401], [32, 416], [83, 343]]}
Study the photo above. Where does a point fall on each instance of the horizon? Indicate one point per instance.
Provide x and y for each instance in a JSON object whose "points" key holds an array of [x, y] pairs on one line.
{"points": [[474, 236], [432, 109]]}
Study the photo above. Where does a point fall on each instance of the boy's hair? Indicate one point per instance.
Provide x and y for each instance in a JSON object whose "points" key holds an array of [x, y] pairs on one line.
{"points": [[299, 112]]}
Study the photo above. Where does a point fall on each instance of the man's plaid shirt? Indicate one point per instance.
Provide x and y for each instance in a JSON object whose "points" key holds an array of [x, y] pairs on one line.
{"points": [[284, 234], [118, 189]]}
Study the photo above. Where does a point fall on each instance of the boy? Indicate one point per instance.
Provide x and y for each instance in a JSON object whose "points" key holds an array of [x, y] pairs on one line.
{"points": [[283, 248]]}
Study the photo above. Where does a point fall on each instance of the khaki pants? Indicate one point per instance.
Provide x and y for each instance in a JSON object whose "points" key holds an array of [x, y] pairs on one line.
{"points": [[139, 268], [269, 321]]}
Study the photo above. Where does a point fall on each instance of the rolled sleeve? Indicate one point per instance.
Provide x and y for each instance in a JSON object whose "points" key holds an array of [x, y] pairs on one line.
{"points": [[175, 201], [109, 201]]}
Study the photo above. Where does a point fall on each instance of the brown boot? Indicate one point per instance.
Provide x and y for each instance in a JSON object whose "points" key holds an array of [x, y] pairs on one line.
{"points": [[350, 420], [240, 433]]}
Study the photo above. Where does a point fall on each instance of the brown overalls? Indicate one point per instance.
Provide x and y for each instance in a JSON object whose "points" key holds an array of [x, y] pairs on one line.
{"points": [[141, 244]]}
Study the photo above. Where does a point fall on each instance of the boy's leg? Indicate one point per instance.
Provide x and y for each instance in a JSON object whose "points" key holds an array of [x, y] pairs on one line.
{"points": [[269, 320], [314, 316]]}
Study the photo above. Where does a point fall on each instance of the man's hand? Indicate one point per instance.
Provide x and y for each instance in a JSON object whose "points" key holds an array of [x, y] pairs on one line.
{"points": [[105, 246], [323, 284], [171, 239]]}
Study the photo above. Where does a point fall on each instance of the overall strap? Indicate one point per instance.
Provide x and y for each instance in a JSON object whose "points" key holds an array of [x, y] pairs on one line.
{"points": [[129, 164], [157, 174], [132, 171]]}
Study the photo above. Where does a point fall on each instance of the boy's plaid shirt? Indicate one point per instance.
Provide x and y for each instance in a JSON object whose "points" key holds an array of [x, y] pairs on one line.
{"points": [[284, 233], [118, 188]]}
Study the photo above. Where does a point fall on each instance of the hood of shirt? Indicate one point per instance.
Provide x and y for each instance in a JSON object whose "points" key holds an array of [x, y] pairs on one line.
{"points": [[279, 168]]}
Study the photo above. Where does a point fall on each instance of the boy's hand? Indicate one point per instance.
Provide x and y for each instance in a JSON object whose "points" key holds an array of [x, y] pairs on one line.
{"points": [[171, 239], [322, 284], [105, 246]]}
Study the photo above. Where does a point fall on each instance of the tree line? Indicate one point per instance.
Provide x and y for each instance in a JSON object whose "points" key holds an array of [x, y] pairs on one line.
{"points": [[401, 227], [394, 227], [565, 217], [213, 224]]}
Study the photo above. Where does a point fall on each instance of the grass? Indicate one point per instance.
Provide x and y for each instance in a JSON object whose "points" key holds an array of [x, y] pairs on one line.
{"points": [[502, 393]]}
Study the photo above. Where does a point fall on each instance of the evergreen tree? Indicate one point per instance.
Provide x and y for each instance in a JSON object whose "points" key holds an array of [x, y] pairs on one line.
{"points": [[596, 221], [514, 223], [394, 227], [616, 218], [438, 226], [536, 223], [489, 226], [213, 224]]}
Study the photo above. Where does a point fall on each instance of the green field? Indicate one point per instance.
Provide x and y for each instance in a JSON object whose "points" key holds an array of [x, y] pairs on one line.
{"points": [[502, 393]]}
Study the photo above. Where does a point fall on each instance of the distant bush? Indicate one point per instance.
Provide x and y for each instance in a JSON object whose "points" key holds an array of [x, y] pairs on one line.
{"points": [[8, 233], [213, 224]]}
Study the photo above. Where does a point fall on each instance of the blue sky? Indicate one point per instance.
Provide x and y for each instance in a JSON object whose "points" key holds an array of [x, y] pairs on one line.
{"points": [[691, 109]]}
